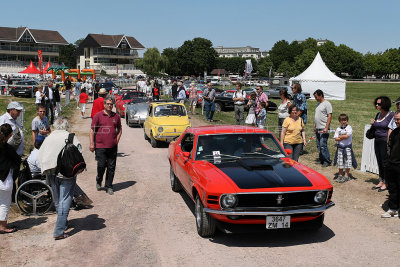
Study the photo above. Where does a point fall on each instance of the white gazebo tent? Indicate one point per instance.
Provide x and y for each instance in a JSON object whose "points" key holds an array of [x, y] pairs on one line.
{"points": [[318, 76]]}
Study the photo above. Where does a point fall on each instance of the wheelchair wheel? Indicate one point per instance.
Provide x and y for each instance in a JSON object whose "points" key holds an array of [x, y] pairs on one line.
{"points": [[34, 197]]}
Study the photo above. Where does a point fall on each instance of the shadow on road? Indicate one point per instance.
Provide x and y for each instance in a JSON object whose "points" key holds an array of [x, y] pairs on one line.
{"points": [[28, 222], [91, 222], [123, 185], [258, 236], [122, 155]]}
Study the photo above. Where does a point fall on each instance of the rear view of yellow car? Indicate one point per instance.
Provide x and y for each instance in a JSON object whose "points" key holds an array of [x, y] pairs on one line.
{"points": [[165, 122]]}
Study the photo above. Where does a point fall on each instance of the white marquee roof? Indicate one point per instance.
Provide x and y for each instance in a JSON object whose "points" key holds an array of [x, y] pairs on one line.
{"points": [[317, 71]]}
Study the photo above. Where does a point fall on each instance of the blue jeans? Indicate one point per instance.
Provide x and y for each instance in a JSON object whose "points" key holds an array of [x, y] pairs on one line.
{"points": [[63, 191], [322, 146], [210, 109]]}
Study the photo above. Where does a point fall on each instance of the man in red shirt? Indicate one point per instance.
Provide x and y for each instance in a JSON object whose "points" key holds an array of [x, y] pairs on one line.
{"points": [[98, 104], [106, 130]]}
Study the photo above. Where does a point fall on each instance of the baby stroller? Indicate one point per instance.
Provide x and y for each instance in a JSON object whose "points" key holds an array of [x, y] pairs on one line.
{"points": [[34, 196]]}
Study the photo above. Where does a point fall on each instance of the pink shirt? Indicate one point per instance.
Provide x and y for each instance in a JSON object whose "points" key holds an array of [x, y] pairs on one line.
{"points": [[106, 129], [260, 98]]}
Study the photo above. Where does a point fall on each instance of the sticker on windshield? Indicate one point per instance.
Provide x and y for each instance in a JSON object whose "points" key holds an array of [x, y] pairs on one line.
{"points": [[217, 157]]}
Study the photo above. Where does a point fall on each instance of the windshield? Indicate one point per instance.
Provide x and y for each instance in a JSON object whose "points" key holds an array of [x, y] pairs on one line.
{"points": [[169, 110], [129, 95], [234, 146], [139, 100]]}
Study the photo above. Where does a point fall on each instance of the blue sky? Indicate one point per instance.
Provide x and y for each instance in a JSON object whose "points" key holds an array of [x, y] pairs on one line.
{"points": [[363, 25]]}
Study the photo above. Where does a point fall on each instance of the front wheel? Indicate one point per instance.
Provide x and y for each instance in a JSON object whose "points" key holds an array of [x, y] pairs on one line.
{"points": [[153, 141], [205, 224], [175, 184]]}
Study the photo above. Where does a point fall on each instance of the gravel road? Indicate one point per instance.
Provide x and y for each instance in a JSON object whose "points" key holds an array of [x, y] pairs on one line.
{"points": [[145, 223]]}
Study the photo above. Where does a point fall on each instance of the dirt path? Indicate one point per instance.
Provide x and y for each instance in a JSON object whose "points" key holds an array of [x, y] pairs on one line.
{"points": [[144, 223]]}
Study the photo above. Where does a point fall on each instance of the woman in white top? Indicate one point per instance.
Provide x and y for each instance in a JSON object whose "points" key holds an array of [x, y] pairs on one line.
{"points": [[39, 95], [9, 160], [283, 109]]}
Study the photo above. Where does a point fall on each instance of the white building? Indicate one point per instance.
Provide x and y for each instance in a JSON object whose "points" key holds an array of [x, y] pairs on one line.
{"points": [[245, 52]]}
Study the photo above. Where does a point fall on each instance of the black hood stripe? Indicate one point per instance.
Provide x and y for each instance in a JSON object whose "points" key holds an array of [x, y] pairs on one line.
{"points": [[256, 173]]}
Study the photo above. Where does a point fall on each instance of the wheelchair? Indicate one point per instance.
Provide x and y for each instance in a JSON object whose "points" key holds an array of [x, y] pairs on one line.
{"points": [[33, 196]]}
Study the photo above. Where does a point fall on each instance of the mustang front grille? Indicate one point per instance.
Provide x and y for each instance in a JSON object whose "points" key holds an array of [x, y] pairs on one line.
{"points": [[276, 200]]}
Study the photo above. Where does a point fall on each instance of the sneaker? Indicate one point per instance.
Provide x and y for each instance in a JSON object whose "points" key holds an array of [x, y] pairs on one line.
{"points": [[325, 164], [390, 213], [339, 179], [110, 191], [98, 187]]}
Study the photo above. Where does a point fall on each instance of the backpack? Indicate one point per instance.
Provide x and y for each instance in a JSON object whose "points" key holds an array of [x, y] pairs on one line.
{"points": [[70, 161]]}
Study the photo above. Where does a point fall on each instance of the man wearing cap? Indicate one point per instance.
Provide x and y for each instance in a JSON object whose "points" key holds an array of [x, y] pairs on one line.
{"points": [[17, 140], [98, 104]]}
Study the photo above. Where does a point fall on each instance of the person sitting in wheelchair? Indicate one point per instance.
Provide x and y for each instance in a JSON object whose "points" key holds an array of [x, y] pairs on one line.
{"points": [[80, 198]]}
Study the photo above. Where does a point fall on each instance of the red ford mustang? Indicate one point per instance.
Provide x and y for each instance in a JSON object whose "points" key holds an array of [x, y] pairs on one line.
{"points": [[241, 175]]}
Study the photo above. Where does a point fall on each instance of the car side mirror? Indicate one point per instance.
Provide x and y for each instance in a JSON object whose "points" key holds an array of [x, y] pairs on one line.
{"points": [[288, 151]]}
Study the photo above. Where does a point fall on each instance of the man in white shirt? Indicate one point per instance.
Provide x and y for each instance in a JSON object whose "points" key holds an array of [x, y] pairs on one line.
{"points": [[239, 98], [17, 140], [49, 98]]}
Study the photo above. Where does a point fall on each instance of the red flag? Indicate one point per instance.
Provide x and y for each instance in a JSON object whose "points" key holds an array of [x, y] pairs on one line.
{"points": [[40, 61]]}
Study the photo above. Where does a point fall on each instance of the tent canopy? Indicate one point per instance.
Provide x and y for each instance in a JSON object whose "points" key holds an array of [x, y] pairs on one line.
{"points": [[47, 67], [31, 69], [318, 76]]}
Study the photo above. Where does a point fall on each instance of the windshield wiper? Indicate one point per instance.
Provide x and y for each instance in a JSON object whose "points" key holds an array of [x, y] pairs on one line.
{"points": [[222, 155], [259, 153]]}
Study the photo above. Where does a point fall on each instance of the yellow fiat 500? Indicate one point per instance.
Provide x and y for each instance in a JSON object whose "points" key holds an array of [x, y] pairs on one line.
{"points": [[165, 122]]}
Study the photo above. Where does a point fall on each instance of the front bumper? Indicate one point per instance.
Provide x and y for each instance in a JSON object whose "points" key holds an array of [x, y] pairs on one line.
{"points": [[167, 136], [257, 213]]}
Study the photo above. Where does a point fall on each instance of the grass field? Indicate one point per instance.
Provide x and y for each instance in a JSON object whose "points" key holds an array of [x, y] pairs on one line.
{"points": [[30, 113], [358, 106]]}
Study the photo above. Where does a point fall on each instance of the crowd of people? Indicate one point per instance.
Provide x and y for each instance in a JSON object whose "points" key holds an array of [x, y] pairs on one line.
{"points": [[48, 142]]}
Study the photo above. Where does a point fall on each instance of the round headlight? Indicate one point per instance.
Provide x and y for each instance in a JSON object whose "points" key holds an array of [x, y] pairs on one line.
{"points": [[320, 197], [160, 129], [229, 201]]}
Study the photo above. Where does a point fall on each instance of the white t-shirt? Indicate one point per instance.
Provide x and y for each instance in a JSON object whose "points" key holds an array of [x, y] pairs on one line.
{"points": [[340, 131], [38, 96], [33, 161], [321, 114], [240, 95], [283, 110]]}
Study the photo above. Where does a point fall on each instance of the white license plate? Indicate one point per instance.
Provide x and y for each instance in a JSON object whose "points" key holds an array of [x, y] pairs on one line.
{"points": [[278, 222]]}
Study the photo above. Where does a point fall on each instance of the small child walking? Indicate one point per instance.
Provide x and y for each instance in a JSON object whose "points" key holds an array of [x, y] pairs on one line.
{"points": [[251, 115], [83, 97], [344, 157], [262, 115]]}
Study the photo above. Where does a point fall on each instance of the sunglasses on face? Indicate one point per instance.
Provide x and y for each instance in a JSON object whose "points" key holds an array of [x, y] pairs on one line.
{"points": [[378, 104]]}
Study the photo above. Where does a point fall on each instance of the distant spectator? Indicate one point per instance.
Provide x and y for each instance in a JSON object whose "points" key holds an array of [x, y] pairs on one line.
{"points": [[174, 90], [68, 86], [98, 103], [57, 99], [209, 102], [251, 105], [40, 124], [293, 135], [392, 123], [39, 96], [239, 100], [262, 115], [83, 98], [193, 97], [181, 93], [381, 125], [283, 109], [322, 122], [344, 157], [261, 97], [156, 92], [299, 99], [49, 101], [77, 92], [96, 90]]}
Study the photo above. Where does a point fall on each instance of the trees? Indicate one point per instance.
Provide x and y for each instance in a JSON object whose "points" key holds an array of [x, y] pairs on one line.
{"points": [[152, 61], [68, 55], [196, 56], [169, 57]]}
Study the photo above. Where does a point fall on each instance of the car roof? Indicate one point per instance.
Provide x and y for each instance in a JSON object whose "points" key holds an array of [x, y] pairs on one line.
{"points": [[225, 129]]}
